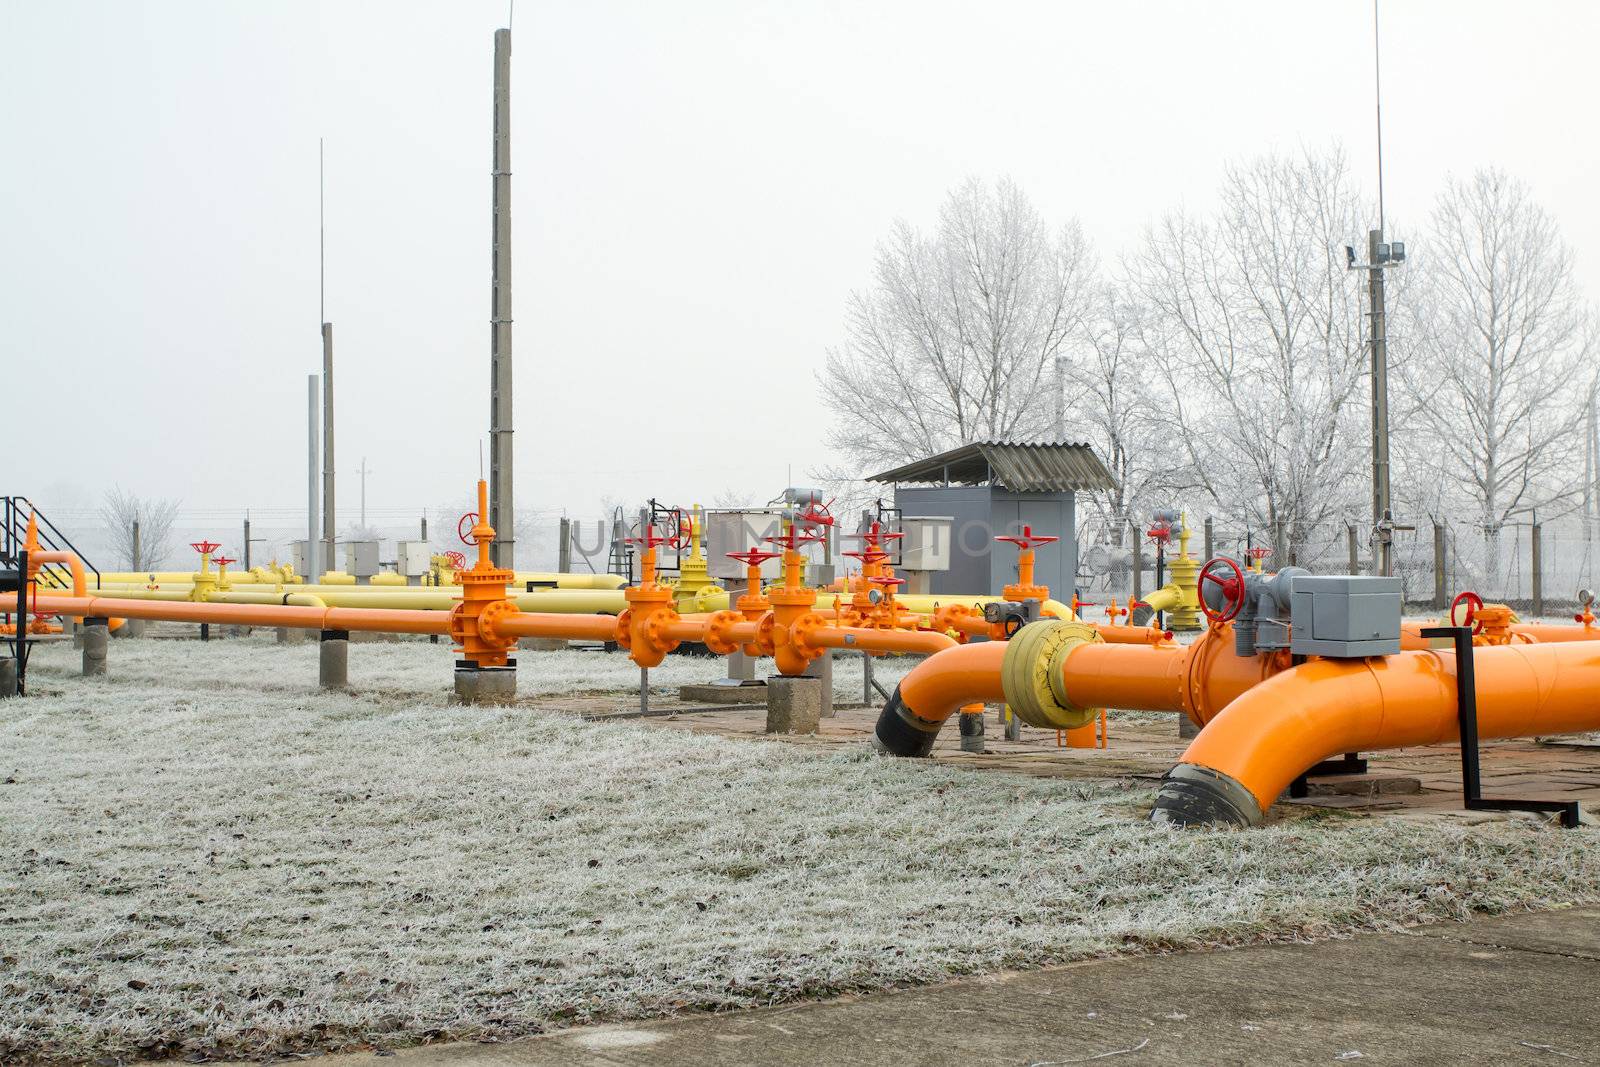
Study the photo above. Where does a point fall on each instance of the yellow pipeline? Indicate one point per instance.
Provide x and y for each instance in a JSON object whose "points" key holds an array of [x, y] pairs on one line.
{"points": [[915, 603]]}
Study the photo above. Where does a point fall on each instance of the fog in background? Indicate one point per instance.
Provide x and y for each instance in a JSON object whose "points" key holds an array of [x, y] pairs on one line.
{"points": [[697, 188]]}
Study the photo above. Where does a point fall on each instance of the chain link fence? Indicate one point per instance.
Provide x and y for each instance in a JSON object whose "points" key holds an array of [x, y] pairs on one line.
{"points": [[1534, 567]]}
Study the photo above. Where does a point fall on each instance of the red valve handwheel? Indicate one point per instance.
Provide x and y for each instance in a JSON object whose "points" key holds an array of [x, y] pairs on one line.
{"points": [[651, 539], [753, 558], [896, 582], [1232, 589], [1027, 539], [458, 561], [464, 527], [204, 546], [1474, 604]]}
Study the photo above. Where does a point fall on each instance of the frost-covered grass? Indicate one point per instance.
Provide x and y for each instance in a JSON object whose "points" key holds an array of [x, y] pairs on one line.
{"points": [[204, 854]]}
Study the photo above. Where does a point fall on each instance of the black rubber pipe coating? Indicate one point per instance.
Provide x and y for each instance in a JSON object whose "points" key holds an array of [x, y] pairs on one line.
{"points": [[899, 732]]}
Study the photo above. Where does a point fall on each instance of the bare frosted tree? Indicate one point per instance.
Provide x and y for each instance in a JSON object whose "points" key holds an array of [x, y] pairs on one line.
{"points": [[151, 546], [1105, 398], [1254, 331], [1502, 368], [956, 339]]}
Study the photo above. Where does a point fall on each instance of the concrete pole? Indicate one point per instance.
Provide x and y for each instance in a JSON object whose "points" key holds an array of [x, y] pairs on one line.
{"points": [[333, 662], [1210, 540], [138, 554], [1536, 551], [1138, 564], [96, 639], [1441, 576], [313, 534], [564, 552], [502, 511], [330, 525], [247, 544], [1354, 546], [1378, 323], [424, 528]]}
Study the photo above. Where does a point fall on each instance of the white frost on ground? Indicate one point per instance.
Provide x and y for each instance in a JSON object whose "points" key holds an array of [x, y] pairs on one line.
{"points": [[203, 854]]}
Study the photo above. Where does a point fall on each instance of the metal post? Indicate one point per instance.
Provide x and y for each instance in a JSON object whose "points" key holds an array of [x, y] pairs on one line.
{"points": [[1379, 342], [247, 544], [1441, 559], [329, 518], [1536, 551], [1355, 547], [502, 513], [138, 554], [1138, 564], [313, 535], [1209, 540], [424, 527], [564, 552]]}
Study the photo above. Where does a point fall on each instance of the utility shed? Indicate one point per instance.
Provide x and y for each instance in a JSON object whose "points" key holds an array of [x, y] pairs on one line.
{"points": [[996, 487]]}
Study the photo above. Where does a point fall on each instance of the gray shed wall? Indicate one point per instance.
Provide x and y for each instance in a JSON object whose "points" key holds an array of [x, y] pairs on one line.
{"points": [[977, 564]]}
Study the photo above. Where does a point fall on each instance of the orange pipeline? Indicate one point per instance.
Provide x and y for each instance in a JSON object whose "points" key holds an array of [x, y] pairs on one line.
{"points": [[1061, 674], [1240, 763]]}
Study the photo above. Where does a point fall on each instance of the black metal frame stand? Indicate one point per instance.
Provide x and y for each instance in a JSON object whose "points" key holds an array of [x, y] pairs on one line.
{"points": [[18, 579], [1467, 715]]}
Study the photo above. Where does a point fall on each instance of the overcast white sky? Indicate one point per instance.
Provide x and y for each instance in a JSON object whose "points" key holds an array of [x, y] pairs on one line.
{"points": [[697, 187]]}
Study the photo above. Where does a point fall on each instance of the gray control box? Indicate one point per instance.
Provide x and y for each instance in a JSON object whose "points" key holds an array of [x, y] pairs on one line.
{"points": [[1344, 616]]}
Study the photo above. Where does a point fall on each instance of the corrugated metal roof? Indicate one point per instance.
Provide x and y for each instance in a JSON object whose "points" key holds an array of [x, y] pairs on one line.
{"points": [[1022, 467]]}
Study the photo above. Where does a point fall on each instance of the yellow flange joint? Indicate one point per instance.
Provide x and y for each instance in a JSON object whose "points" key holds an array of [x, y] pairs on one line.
{"points": [[1032, 678]]}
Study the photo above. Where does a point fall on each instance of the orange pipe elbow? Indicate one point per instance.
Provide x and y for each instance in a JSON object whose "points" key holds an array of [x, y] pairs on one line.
{"points": [[1247, 756], [936, 689]]}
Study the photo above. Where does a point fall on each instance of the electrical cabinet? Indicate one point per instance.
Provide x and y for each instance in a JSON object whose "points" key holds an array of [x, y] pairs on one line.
{"points": [[1345, 616]]}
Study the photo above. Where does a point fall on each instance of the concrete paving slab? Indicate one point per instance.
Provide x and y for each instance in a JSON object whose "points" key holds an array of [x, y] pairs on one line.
{"points": [[1564, 931], [1520, 989]]}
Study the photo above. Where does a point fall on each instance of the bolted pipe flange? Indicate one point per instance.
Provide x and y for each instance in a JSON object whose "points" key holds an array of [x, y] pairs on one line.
{"points": [[800, 632], [719, 629]]}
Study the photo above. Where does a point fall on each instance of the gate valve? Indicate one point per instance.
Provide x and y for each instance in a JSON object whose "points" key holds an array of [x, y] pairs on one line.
{"points": [[647, 559], [1231, 588], [1257, 554], [223, 561], [205, 548], [1474, 604], [887, 584], [753, 560]]}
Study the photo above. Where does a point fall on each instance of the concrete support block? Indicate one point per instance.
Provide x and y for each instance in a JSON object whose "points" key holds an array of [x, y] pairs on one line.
{"points": [[1187, 729], [96, 638], [8, 678], [1013, 728], [972, 728], [822, 670], [333, 671], [291, 635], [542, 644], [741, 668], [486, 685], [134, 627], [794, 705]]}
